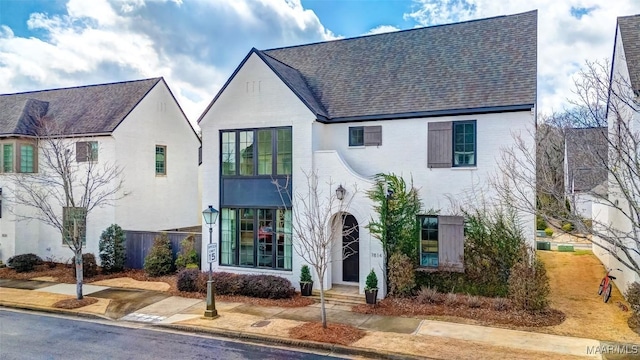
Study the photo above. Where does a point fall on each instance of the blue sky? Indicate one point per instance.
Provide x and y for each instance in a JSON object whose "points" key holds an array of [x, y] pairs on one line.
{"points": [[196, 44]]}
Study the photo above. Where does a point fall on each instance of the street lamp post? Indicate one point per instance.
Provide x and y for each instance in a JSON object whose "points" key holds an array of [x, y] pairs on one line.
{"points": [[210, 216]]}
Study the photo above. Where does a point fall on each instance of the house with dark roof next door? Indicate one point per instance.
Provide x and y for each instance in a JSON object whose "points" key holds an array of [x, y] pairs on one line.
{"points": [[434, 104], [136, 125]]}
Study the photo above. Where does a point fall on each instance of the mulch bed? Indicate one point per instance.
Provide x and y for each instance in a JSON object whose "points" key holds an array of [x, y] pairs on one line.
{"points": [[334, 333], [483, 315], [634, 323], [74, 303]]}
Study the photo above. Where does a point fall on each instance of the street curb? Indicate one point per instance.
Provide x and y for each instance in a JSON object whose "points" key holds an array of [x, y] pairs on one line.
{"points": [[54, 310], [314, 345]]}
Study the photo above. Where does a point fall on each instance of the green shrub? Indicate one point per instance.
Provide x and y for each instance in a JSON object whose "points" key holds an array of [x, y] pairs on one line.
{"points": [[372, 281], [24, 262], [113, 252], [187, 280], [305, 274], [567, 227], [188, 254], [548, 231], [493, 239], [541, 224], [529, 284], [260, 286], [633, 297], [192, 266], [402, 276], [159, 261]]}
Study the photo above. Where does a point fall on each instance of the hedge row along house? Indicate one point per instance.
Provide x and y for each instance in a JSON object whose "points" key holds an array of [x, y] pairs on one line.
{"points": [[137, 126], [436, 104]]}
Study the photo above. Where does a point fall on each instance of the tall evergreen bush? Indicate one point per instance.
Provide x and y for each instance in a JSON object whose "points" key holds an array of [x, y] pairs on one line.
{"points": [[113, 253]]}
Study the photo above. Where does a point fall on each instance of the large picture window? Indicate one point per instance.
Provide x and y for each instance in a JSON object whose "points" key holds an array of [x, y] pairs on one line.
{"points": [[256, 238], [254, 150]]}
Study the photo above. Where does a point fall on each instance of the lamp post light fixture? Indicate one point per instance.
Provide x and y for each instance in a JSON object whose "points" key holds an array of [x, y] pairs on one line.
{"points": [[340, 192], [210, 216]]}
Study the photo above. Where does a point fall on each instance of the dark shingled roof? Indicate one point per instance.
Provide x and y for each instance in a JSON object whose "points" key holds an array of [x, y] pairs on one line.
{"points": [[470, 67], [586, 157], [79, 110], [630, 33]]}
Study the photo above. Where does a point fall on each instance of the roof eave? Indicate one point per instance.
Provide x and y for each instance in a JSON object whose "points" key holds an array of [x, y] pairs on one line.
{"points": [[426, 114]]}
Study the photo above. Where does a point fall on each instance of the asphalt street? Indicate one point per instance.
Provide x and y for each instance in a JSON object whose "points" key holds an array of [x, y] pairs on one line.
{"points": [[37, 336]]}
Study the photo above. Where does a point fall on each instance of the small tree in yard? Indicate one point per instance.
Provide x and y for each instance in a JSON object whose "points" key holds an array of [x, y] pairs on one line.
{"points": [[113, 253], [397, 206], [67, 186], [318, 219]]}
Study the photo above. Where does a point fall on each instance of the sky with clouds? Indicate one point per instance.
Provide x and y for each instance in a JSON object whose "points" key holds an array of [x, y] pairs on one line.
{"points": [[196, 44]]}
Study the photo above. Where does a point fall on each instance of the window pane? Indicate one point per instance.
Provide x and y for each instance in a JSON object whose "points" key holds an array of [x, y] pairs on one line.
{"points": [[356, 136], [283, 234], [284, 152], [26, 158], [228, 249], [161, 160], [265, 238], [246, 237], [7, 158], [265, 152], [246, 153], [464, 144], [429, 241], [93, 150], [228, 153]]}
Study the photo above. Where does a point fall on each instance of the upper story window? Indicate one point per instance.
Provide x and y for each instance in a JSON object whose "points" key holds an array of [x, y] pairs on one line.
{"points": [[365, 135], [256, 152], [452, 144], [464, 143], [18, 156], [86, 151], [161, 160]]}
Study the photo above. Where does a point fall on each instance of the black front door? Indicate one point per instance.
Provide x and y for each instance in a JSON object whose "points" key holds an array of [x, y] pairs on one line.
{"points": [[350, 249]]}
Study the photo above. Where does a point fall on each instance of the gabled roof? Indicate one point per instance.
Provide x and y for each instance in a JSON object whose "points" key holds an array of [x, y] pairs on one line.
{"points": [[82, 110], [476, 66], [586, 158], [630, 33]]}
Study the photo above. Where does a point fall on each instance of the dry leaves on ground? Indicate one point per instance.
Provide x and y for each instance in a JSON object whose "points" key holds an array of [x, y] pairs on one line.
{"points": [[334, 333], [74, 303], [410, 307]]}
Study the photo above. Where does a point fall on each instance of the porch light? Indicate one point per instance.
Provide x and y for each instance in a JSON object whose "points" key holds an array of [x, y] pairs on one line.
{"points": [[340, 192]]}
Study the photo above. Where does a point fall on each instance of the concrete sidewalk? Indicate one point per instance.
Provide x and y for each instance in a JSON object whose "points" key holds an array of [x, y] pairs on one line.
{"points": [[386, 336]]}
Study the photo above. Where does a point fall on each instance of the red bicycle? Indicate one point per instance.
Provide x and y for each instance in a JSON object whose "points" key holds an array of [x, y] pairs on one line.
{"points": [[605, 285]]}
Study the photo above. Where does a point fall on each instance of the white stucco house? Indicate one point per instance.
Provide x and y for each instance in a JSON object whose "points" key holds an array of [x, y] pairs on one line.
{"points": [[585, 173], [436, 104], [137, 125], [616, 216]]}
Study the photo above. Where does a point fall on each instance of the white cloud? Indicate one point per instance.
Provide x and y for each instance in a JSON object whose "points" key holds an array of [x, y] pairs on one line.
{"points": [[565, 41], [382, 29], [194, 45]]}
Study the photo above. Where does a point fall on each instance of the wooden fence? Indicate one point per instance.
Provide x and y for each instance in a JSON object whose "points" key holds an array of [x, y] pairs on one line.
{"points": [[139, 244]]}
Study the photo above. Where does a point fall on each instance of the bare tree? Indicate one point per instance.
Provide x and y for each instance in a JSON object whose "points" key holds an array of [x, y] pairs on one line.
{"points": [[601, 125], [318, 219], [67, 185]]}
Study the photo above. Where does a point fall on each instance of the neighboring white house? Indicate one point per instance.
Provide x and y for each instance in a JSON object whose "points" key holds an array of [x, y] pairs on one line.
{"points": [[623, 118], [585, 173], [137, 125], [434, 104]]}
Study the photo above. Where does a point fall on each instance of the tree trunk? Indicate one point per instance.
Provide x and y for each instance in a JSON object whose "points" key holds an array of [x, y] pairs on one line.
{"points": [[79, 273], [323, 310]]}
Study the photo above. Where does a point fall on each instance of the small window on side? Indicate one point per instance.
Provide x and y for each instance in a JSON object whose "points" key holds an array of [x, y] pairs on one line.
{"points": [[161, 160], [356, 136]]}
